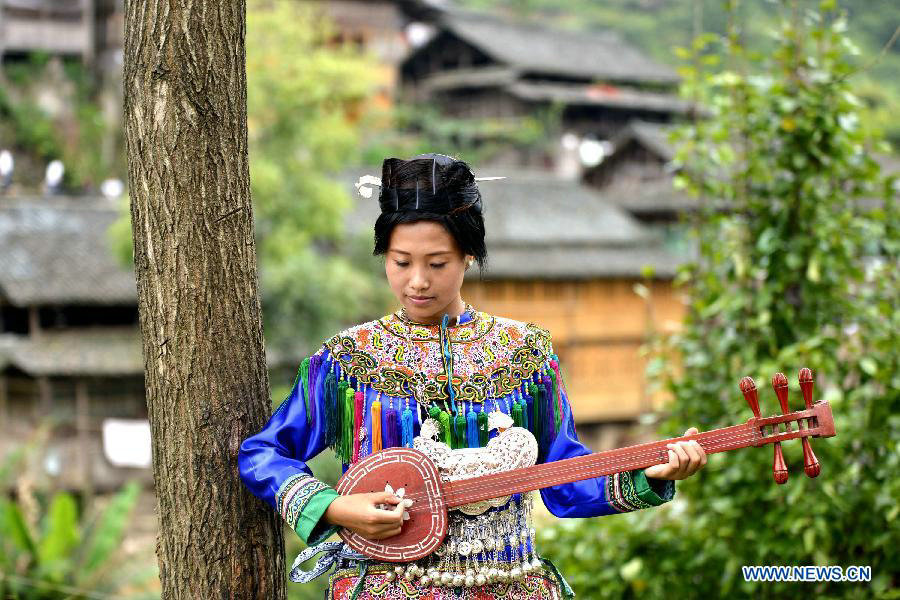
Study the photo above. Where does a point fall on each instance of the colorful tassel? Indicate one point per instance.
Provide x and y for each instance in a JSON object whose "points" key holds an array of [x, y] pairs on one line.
{"points": [[516, 413], [524, 404], [332, 416], [347, 421], [359, 405], [407, 426], [472, 428], [547, 422], [459, 431], [342, 386], [561, 389], [483, 433], [315, 362], [446, 429], [376, 425], [535, 393], [304, 382], [392, 424], [555, 400]]}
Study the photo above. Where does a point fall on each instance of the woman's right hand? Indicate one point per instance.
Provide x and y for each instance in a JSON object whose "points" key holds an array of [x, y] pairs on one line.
{"points": [[359, 514]]}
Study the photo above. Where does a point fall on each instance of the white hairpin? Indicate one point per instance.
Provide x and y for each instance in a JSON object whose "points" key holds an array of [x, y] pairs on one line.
{"points": [[365, 185]]}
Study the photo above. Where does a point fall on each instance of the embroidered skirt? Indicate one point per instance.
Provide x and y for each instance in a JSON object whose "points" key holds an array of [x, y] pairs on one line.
{"points": [[376, 586]]}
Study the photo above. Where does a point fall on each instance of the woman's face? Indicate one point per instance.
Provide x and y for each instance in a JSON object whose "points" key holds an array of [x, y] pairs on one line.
{"points": [[425, 269]]}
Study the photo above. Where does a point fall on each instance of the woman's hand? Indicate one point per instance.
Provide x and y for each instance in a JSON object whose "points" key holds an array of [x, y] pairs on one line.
{"points": [[685, 459], [359, 514]]}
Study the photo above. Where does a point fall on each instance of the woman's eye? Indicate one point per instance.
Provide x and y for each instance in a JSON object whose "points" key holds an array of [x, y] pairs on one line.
{"points": [[438, 266], [400, 264]]}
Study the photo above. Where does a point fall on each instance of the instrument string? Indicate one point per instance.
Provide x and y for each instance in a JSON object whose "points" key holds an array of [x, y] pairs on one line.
{"points": [[489, 483], [553, 470], [462, 487]]}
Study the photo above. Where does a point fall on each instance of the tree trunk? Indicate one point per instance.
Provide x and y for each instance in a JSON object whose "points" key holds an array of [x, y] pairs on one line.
{"points": [[195, 263]]}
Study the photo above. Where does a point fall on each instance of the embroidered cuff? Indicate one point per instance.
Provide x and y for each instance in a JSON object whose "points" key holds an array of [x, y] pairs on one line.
{"points": [[630, 490], [653, 491], [312, 527], [301, 501]]}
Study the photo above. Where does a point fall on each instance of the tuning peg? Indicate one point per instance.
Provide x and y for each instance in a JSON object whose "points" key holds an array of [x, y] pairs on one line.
{"points": [[748, 388], [779, 468], [780, 385], [810, 462], [806, 386]]}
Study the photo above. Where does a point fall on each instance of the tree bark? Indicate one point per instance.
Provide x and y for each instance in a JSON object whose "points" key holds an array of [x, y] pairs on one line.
{"points": [[195, 263]]}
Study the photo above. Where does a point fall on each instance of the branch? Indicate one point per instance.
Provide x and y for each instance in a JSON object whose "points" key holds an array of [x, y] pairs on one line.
{"points": [[875, 60]]}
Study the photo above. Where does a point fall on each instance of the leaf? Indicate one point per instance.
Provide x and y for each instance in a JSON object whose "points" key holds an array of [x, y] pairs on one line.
{"points": [[60, 536], [107, 534], [682, 53], [631, 569], [15, 528], [868, 365], [812, 270]]}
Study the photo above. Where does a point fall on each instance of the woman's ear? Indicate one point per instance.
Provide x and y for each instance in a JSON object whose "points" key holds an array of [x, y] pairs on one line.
{"points": [[469, 260]]}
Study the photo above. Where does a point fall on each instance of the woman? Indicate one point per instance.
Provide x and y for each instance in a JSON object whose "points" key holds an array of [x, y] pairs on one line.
{"points": [[384, 383]]}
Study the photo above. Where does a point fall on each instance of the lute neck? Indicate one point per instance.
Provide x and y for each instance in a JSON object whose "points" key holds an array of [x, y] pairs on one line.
{"points": [[526, 479]]}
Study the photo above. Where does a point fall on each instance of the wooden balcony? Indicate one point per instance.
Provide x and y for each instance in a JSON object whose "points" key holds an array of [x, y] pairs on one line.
{"points": [[55, 26]]}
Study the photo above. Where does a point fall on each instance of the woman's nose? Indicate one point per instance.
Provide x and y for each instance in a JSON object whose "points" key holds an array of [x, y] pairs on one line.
{"points": [[418, 281]]}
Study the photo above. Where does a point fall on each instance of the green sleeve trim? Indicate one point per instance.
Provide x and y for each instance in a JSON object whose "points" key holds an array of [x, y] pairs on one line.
{"points": [[652, 491], [311, 526]]}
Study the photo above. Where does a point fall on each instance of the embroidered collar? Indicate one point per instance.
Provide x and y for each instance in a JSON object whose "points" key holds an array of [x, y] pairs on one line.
{"points": [[492, 357], [468, 314], [472, 326]]}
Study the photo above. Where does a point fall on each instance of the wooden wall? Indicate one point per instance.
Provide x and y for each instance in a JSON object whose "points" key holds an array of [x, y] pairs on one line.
{"points": [[627, 169], [598, 327], [73, 410]]}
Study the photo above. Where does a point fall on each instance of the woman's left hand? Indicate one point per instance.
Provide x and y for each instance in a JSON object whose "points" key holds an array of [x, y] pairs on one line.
{"points": [[685, 459]]}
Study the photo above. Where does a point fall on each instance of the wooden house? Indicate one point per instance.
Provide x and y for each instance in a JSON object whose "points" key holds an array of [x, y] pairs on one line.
{"points": [[70, 351], [381, 28], [86, 29], [638, 174], [479, 66]]}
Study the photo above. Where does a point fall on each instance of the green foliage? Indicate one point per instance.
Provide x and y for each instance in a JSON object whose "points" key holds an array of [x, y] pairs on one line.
{"points": [[77, 125], [798, 255], [306, 98], [60, 537], [62, 554], [106, 532]]}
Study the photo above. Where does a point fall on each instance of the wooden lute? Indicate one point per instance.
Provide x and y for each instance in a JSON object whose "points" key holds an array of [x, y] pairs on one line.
{"points": [[432, 497]]}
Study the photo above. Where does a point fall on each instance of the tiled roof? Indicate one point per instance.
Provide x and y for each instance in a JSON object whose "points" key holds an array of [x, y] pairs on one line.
{"points": [[56, 250], [95, 351], [534, 48]]}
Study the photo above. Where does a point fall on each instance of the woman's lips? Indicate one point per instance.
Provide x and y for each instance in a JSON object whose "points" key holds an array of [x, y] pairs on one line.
{"points": [[420, 300]]}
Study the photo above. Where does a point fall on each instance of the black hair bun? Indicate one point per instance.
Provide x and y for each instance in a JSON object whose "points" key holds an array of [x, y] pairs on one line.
{"points": [[431, 183]]}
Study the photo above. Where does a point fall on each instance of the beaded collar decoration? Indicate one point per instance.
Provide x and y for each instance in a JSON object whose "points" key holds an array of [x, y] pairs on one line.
{"points": [[492, 357], [467, 314]]}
